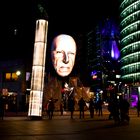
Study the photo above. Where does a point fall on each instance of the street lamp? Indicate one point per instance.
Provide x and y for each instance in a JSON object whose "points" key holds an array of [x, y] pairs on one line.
{"points": [[18, 73]]}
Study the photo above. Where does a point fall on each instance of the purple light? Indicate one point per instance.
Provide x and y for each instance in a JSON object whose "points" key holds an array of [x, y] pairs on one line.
{"points": [[134, 100], [93, 73], [115, 53]]}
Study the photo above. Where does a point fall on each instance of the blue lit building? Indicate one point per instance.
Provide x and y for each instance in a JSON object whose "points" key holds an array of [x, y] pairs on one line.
{"points": [[103, 55]]}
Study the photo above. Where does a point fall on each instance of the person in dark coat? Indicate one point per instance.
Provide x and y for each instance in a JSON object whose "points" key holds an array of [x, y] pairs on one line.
{"points": [[71, 104], [51, 108], [100, 104], [124, 110], [113, 107], [82, 105], [91, 107]]}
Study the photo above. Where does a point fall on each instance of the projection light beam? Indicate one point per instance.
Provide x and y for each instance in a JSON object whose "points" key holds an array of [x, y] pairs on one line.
{"points": [[38, 69]]}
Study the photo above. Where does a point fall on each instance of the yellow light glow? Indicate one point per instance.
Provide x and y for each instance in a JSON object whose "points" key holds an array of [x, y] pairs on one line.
{"points": [[8, 76], [14, 76], [18, 73]]}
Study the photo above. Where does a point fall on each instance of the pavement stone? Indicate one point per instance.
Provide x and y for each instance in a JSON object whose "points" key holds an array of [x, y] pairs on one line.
{"points": [[64, 128]]}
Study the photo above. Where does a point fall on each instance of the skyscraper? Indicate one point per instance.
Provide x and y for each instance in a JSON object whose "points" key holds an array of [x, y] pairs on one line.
{"points": [[130, 41], [103, 54]]}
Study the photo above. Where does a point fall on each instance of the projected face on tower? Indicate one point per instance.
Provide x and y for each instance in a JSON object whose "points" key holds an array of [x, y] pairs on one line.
{"points": [[63, 52]]}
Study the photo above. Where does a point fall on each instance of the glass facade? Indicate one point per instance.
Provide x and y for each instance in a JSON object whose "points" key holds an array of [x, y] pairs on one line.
{"points": [[130, 40], [103, 54]]}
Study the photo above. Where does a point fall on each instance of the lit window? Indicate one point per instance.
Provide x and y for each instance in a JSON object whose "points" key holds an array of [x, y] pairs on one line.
{"points": [[14, 76], [8, 76]]}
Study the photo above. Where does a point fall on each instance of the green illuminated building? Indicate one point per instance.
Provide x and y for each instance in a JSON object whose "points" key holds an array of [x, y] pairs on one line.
{"points": [[130, 41]]}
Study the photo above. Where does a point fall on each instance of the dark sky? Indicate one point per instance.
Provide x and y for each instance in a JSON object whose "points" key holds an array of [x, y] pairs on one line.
{"points": [[64, 16]]}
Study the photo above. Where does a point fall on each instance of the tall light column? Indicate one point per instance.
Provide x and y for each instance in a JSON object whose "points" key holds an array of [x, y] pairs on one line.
{"points": [[38, 69]]}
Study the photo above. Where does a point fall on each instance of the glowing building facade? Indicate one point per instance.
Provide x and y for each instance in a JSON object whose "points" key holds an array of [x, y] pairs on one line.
{"points": [[103, 55], [130, 48], [130, 41]]}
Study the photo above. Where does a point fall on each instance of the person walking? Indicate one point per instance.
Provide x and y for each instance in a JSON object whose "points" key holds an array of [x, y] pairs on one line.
{"points": [[71, 104], [82, 105], [100, 104], [124, 110], [51, 108], [91, 107], [61, 108]]}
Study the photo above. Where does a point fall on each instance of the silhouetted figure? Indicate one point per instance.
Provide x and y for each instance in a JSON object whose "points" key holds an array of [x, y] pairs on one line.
{"points": [[82, 105], [91, 107], [110, 109], [99, 105], [51, 108], [124, 110], [71, 104], [115, 111]]}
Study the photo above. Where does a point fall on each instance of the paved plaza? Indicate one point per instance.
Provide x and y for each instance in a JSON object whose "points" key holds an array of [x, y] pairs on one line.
{"points": [[64, 128]]}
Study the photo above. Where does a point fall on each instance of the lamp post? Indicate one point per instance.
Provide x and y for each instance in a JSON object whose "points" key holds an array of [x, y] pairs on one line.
{"points": [[18, 73], [17, 99]]}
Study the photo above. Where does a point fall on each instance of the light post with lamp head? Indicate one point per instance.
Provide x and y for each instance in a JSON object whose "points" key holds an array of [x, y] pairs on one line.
{"points": [[18, 73]]}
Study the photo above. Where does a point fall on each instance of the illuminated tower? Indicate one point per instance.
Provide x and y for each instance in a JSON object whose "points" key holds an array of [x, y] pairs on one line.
{"points": [[38, 69], [103, 54], [130, 41]]}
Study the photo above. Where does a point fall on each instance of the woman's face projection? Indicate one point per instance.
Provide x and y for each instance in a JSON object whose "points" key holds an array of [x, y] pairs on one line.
{"points": [[63, 52]]}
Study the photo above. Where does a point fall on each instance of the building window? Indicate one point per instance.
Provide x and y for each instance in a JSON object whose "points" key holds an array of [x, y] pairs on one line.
{"points": [[10, 77]]}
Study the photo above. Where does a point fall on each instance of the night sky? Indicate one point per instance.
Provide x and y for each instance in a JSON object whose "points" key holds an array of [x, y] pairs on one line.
{"points": [[64, 16]]}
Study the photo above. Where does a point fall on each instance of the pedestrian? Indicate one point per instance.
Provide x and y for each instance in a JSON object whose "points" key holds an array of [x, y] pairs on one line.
{"points": [[111, 109], [91, 107], [82, 105], [51, 108], [124, 110], [115, 111], [71, 104], [100, 104]]}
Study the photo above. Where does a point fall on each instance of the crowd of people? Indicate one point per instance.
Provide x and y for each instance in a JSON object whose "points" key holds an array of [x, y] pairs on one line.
{"points": [[118, 108], [83, 105]]}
